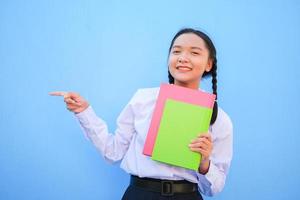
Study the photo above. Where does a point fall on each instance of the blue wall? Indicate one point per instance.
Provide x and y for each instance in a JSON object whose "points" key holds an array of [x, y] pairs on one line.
{"points": [[106, 51]]}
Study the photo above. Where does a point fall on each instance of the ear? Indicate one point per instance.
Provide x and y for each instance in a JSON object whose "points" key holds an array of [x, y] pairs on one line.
{"points": [[209, 65]]}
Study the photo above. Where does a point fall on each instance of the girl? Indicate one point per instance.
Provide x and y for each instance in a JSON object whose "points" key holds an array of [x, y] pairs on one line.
{"points": [[192, 56]]}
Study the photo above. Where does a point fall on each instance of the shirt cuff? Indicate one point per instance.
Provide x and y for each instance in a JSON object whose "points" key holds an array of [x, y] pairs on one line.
{"points": [[211, 174], [85, 116], [207, 181]]}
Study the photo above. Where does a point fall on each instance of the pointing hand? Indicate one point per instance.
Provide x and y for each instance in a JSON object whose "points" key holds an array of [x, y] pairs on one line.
{"points": [[74, 102]]}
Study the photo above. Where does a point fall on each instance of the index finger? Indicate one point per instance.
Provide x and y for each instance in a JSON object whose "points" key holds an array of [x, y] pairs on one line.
{"points": [[207, 135], [58, 93]]}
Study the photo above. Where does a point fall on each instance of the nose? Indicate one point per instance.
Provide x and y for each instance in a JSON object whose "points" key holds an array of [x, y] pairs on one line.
{"points": [[182, 59]]}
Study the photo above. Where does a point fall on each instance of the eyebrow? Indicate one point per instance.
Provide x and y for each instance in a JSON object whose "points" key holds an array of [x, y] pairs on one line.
{"points": [[197, 48], [178, 46]]}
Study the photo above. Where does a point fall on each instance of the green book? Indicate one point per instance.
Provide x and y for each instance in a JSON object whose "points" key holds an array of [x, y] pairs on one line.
{"points": [[180, 123]]}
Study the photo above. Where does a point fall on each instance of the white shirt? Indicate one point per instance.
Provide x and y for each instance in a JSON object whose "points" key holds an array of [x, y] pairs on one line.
{"points": [[128, 142]]}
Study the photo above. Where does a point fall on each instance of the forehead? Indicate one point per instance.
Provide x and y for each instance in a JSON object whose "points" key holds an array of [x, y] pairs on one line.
{"points": [[189, 40]]}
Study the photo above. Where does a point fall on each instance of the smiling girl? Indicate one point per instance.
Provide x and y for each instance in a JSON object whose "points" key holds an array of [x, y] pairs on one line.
{"points": [[192, 56]]}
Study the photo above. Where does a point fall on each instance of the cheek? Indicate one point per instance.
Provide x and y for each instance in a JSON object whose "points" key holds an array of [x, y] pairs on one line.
{"points": [[171, 62], [199, 63]]}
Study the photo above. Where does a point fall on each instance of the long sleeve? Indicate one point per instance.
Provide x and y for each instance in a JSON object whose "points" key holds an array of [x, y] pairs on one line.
{"points": [[214, 180], [112, 146], [128, 141]]}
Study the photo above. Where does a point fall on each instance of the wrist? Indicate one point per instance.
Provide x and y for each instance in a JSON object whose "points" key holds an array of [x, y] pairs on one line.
{"points": [[84, 107], [204, 166]]}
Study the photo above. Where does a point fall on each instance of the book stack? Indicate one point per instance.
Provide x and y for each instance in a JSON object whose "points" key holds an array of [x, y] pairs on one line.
{"points": [[179, 116]]}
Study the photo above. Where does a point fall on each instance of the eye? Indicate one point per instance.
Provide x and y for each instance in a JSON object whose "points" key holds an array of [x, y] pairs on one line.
{"points": [[195, 53], [175, 51]]}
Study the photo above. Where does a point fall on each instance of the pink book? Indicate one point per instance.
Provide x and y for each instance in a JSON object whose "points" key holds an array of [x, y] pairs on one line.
{"points": [[170, 91]]}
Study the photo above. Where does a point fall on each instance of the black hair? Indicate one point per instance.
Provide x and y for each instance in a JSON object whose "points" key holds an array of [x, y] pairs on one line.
{"points": [[212, 55]]}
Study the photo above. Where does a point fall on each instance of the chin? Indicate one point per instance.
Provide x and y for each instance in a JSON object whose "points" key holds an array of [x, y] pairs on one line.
{"points": [[185, 80], [182, 79]]}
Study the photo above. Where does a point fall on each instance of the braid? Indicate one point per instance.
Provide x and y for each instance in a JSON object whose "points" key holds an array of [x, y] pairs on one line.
{"points": [[171, 78], [214, 78], [214, 87]]}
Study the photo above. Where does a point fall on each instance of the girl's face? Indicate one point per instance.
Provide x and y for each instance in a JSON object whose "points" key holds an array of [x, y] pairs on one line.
{"points": [[188, 60]]}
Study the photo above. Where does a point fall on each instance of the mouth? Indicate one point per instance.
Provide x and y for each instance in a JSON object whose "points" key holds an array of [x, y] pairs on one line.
{"points": [[183, 68]]}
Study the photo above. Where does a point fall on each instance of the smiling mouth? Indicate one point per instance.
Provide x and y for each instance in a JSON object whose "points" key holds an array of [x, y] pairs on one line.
{"points": [[183, 68]]}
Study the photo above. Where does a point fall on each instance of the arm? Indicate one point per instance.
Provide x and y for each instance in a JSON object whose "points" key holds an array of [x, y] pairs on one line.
{"points": [[112, 146], [216, 156], [213, 180]]}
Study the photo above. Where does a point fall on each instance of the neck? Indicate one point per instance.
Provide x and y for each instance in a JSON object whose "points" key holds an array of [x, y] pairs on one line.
{"points": [[194, 85]]}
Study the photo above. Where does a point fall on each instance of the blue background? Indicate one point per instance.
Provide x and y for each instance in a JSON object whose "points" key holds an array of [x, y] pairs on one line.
{"points": [[106, 50]]}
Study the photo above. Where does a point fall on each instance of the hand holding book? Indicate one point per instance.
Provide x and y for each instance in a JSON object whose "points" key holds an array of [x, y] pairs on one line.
{"points": [[203, 145]]}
